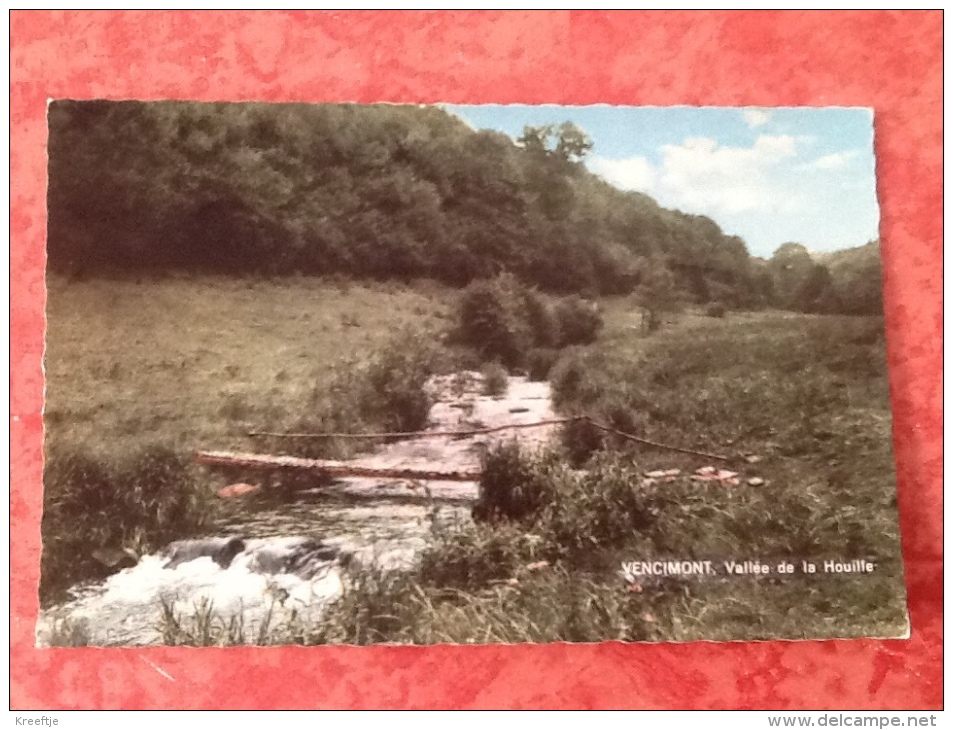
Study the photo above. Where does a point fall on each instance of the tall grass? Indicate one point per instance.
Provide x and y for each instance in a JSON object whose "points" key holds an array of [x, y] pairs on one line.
{"points": [[204, 626], [549, 604], [781, 383], [133, 504]]}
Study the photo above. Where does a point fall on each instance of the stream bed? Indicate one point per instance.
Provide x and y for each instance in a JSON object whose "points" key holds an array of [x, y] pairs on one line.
{"points": [[284, 556]]}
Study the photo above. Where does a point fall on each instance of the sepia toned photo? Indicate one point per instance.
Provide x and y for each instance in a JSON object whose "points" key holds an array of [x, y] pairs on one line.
{"points": [[364, 374]]}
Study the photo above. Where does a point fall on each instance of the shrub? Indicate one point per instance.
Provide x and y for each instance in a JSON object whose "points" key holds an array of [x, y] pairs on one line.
{"points": [[603, 507], [512, 486], [490, 321], [540, 361], [393, 388], [377, 606], [503, 321], [659, 297], [139, 503], [386, 392], [581, 439], [573, 383], [579, 321], [541, 319], [495, 380], [472, 556], [570, 511], [627, 417]]}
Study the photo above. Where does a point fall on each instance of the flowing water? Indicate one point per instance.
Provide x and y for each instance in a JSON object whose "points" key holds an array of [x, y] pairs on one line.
{"points": [[278, 556]]}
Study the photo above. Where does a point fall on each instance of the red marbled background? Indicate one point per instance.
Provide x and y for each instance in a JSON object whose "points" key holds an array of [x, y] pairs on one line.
{"points": [[891, 61]]}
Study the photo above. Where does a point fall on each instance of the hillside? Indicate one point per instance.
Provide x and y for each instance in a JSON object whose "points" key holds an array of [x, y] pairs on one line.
{"points": [[382, 191]]}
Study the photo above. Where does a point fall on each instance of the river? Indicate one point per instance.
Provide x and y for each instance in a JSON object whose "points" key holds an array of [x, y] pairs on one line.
{"points": [[274, 557]]}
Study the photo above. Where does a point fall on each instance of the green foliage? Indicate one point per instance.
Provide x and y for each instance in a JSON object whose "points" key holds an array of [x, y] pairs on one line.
{"points": [[540, 361], [579, 321], [495, 380], [571, 383], [472, 556], [511, 488], [855, 281], [570, 511], [564, 142], [377, 606], [581, 439], [550, 605], [503, 320], [385, 391], [542, 319], [711, 387], [603, 507], [136, 503], [394, 392], [807, 395], [205, 626], [805, 282], [659, 297], [490, 321]]}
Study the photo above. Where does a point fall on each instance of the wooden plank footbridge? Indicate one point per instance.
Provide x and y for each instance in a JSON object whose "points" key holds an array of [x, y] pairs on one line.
{"points": [[271, 463], [326, 467]]}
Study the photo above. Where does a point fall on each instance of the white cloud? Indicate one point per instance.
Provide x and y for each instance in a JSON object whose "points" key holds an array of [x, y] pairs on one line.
{"points": [[700, 176], [756, 117], [833, 161], [634, 173]]}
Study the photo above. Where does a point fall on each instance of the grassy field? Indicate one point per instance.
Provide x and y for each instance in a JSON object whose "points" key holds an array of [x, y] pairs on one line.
{"points": [[798, 401], [197, 362]]}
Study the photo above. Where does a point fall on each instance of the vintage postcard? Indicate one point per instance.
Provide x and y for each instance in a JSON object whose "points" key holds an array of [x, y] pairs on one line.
{"points": [[360, 374]]}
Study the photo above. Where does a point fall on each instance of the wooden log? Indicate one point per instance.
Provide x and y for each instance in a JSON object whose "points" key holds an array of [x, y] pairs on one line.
{"points": [[326, 467]]}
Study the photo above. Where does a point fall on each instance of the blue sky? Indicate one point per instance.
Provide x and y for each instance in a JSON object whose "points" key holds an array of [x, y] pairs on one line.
{"points": [[769, 175]]}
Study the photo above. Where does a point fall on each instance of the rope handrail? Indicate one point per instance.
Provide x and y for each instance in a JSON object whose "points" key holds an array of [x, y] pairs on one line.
{"points": [[495, 429], [411, 434]]}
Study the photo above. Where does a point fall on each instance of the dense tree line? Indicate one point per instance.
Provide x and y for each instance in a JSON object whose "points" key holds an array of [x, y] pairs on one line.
{"points": [[380, 191]]}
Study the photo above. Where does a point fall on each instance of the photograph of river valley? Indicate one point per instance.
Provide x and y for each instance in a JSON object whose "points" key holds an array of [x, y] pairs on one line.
{"points": [[358, 374]]}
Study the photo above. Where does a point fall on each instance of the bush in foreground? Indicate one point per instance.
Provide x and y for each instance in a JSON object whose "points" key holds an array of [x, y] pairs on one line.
{"points": [[136, 504], [511, 486]]}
